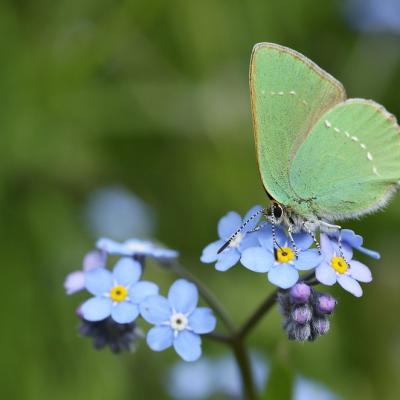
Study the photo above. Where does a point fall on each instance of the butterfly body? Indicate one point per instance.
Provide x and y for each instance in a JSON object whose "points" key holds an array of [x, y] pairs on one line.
{"points": [[322, 157]]}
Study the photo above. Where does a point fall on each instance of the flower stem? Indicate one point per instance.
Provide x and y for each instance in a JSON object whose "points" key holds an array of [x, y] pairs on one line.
{"points": [[243, 362], [207, 295]]}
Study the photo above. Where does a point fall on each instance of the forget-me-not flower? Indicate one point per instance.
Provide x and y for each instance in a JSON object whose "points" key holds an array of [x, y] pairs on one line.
{"points": [[355, 241], [227, 226], [75, 281], [178, 321], [341, 268], [135, 247], [117, 294], [281, 263]]}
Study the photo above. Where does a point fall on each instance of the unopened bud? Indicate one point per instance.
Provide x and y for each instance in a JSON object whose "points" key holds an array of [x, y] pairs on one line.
{"points": [[300, 293], [325, 304], [302, 314], [298, 332], [320, 326]]}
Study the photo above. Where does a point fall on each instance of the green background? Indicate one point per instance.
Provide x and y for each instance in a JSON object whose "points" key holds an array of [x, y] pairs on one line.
{"points": [[153, 95]]}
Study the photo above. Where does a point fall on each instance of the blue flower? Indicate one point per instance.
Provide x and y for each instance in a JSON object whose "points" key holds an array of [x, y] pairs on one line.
{"points": [[135, 247], [355, 241], [117, 294], [281, 263], [341, 268], [178, 322], [75, 281], [227, 226]]}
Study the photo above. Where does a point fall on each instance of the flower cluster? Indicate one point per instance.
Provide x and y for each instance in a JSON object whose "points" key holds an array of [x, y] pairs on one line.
{"points": [[120, 297], [262, 248], [306, 312]]}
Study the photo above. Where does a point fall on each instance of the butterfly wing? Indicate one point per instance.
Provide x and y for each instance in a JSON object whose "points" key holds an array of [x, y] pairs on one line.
{"points": [[289, 93], [349, 164]]}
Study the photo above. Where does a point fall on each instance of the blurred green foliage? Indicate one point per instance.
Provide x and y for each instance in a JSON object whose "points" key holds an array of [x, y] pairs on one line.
{"points": [[153, 95]]}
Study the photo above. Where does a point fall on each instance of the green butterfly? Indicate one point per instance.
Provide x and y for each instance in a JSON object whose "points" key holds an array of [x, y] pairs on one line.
{"points": [[321, 157]]}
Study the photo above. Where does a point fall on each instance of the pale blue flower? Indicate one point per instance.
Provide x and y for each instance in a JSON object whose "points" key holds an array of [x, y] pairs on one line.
{"points": [[227, 226], [135, 247], [341, 268], [178, 321], [75, 281], [117, 294], [355, 241], [281, 263]]}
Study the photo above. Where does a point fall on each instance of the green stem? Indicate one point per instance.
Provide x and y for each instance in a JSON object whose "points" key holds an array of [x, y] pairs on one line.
{"points": [[243, 362]]}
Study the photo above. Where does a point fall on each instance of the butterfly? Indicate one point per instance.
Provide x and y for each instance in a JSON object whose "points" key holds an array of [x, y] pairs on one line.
{"points": [[321, 157]]}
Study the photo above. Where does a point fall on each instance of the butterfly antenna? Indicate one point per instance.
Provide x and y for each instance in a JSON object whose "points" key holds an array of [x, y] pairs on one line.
{"points": [[229, 241]]}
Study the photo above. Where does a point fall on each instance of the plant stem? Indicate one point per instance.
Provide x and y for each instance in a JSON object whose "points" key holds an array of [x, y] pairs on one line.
{"points": [[243, 362], [207, 295]]}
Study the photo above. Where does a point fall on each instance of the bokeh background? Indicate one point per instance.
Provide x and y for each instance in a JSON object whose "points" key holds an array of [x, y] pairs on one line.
{"points": [[145, 105]]}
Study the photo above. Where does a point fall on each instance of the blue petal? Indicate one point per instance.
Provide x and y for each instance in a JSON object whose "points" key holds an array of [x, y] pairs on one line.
{"points": [[253, 223], [325, 274], [202, 320], [326, 246], [124, 312], [360, 271], [308, 259], [183, 296], [265, 237], [98, 281], [349, 237], [209, 254], [188, 345], [370, 253], [127, 271], [228, 224], [249, 240], [141, 290], [155, 309], [227, 259], [109, 246], [257, 259], [283, 275], [350, 284], [160, 338], [96, 308], [159, 252], [303, 240]]}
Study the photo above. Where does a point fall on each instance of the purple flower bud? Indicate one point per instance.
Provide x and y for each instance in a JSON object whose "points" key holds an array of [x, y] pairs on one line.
{"points": [[298, 332], [302, 314], [94, 259], [325, 304], [320, 326], [300, 293]]}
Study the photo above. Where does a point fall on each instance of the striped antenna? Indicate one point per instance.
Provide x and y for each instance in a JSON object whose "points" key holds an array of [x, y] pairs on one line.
{"points": [[229, 241]]}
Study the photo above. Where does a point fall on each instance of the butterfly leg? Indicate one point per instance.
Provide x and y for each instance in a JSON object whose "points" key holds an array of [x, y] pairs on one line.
{"points": [[307, 229], [290, 234], [338, 229]]}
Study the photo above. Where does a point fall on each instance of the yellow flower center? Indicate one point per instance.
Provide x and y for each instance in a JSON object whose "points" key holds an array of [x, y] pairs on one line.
{"points": [[118, 293], [284, 254], [339, 264]]}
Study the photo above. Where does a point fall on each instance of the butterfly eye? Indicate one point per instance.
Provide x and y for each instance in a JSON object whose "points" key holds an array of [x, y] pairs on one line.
{"points": [[277, 210]]}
